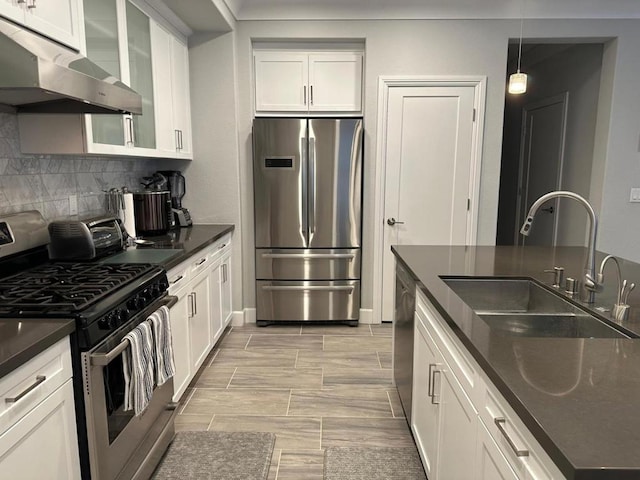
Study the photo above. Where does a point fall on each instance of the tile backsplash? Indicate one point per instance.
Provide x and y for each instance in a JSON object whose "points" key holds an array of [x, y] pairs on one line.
{"points": [[45, 182]]}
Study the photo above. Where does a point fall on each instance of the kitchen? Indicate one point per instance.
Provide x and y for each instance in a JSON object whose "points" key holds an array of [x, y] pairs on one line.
{"points": [[221, 80]]}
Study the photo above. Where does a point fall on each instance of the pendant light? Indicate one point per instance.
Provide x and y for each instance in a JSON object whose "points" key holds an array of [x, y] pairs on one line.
{"points": [[518, 80]]}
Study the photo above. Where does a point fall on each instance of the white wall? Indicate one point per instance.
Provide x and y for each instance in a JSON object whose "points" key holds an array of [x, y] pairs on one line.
{"points": [[424, 47], [213, 194]]}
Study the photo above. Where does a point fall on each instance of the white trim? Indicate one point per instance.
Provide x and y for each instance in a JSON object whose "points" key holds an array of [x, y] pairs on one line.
{"points": [[366, 316], [385, 83], [248, 315]]}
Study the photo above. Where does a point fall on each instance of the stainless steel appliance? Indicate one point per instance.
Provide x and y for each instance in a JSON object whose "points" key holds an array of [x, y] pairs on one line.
{"points": [[403, 324], [307, 177], [85, 239], [152, 212], [107, 301], [40, 76], [177, 187]]}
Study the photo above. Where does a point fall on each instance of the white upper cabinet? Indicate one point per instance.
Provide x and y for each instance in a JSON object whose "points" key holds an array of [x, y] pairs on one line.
{"points": [[118, 39], [56, 19], [126, 39], [293, 81], [171, 81]]}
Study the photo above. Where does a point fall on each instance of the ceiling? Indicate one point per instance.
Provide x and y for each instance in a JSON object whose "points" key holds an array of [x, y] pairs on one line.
{"points": [[430, 9]]}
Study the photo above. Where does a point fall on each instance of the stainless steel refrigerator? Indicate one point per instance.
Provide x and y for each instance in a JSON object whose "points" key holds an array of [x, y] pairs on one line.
{"points": [[307, 176]]}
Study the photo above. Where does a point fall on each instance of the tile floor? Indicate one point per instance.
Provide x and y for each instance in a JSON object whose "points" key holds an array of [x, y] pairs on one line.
{"points": [[313, 386]]}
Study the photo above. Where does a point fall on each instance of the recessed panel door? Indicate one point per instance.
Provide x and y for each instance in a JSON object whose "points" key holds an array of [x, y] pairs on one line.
{"points": [[430, 137]]}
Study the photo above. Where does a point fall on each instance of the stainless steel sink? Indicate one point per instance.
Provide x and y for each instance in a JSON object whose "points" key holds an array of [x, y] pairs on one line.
{"points": [[522, 307]]}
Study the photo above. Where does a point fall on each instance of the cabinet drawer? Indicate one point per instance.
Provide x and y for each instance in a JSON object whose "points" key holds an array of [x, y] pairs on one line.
{"points": [[516, 443], [220, 248], [27, 386], [179, 277], [200, 262], [463, 367]]}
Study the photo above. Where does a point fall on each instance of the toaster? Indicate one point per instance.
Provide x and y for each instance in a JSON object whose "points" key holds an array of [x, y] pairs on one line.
{"points": [[85, 239]]}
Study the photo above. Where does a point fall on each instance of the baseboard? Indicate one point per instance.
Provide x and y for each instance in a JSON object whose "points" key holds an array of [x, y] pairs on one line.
{"points": [[366, 316], [239, 318], [247, 316]]}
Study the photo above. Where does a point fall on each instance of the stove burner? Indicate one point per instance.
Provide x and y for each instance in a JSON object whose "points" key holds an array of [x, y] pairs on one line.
{"points": [[63, 288]]}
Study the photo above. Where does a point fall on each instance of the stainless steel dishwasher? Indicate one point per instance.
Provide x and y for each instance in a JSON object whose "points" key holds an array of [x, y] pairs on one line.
{"points": [[405, 305]]}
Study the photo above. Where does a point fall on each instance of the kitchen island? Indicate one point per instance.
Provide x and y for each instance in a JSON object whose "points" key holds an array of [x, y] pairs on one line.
{"points": [[577, 396]]}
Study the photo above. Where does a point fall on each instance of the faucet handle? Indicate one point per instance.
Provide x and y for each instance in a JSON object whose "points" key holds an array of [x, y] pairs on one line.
{"points": [[558, 276]]}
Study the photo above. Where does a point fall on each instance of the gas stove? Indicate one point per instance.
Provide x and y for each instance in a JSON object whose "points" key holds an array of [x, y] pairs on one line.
{"points": [[107, 301], [100, 297]]}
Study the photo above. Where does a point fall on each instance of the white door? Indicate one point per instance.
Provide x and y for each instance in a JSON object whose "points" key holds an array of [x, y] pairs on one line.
{"points": [[542, 152], [430, 134]]}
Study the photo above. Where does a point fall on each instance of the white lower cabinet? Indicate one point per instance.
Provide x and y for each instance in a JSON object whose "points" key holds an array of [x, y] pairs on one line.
{"points": [[425, 413], [38, 430], [463, 427], [200, 321], [490, 463], [444, 420], [203, 287], [180, 336]]}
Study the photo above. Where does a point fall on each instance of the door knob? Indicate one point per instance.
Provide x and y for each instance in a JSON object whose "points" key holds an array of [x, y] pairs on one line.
{"points": [[392, 221]]}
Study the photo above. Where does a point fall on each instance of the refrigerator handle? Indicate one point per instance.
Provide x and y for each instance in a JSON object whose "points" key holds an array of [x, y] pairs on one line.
{"points": [[312, 186], [305, 194]]}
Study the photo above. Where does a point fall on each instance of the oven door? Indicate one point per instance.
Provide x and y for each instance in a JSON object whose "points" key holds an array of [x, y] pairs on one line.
{"points": [[122, 445]]}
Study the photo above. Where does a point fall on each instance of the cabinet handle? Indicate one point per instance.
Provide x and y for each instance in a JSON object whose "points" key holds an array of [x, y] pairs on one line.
{"points": [[32, 5], [201, 262], [181, 145], [500, 422], [130, 141], [195, 304], [222, 246], [177, 280], [224, 273], [39, 380], [311, 94], [304, 94], [177, 138], [434, 400], [430, 385], [190, 315]]}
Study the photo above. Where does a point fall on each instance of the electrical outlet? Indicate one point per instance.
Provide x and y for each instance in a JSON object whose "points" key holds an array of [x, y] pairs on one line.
{"points": [[73, 204]]}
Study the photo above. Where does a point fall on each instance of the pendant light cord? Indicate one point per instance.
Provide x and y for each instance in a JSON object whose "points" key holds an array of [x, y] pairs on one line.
{"points": [[520, 42]]}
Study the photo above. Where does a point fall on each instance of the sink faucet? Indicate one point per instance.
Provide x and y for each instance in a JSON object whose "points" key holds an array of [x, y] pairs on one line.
{"points": [[591, 285]]}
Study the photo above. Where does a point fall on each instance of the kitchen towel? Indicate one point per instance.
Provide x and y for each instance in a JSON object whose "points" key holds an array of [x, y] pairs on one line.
{"points": [[137, 364], [163, 347]]}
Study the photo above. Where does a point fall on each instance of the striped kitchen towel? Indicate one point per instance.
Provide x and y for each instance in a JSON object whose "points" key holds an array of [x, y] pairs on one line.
{"points": [[137, 363], [163, 347]]}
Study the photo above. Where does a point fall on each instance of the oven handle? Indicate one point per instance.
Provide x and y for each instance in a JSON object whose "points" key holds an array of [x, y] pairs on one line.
{"points": [[106, 358]]}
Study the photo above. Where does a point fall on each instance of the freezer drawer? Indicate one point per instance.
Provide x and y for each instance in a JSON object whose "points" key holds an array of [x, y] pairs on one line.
{"points": [[307, 264], [308, 301]]}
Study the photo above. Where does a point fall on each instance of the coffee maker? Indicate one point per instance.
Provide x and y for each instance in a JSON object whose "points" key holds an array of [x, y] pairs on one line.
{"points": [[176, 185]]}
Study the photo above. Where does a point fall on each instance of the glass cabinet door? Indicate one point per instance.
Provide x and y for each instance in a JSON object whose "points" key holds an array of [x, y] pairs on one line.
{"points": [[103, 47], [141, 75]]}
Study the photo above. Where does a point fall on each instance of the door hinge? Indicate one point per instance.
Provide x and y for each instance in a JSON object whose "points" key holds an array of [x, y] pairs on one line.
{"points": [[468, 204], [474, 114]]}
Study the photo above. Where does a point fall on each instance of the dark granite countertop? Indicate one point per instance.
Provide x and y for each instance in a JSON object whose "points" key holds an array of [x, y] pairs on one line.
{"points": [[580, 397], [21, 340], [174, 247]]}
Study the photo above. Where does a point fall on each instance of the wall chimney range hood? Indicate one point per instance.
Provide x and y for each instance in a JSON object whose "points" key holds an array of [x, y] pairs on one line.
{"points": [[39, 76]]}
